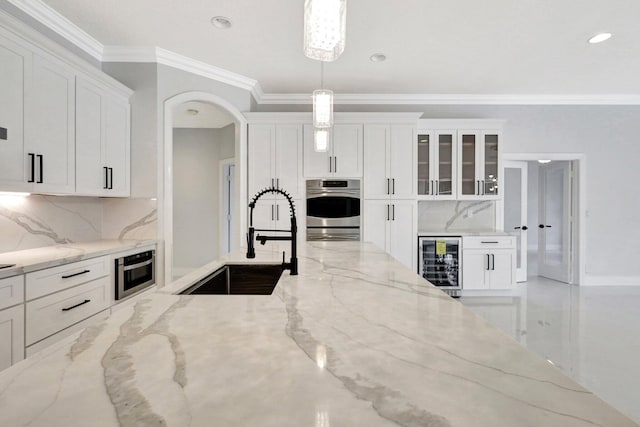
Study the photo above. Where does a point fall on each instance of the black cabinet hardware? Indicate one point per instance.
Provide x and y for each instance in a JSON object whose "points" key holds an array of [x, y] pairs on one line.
{"points": [[490, 242], [41, 180], [110, 178], [3, 133], [76, 274], [394, 212], [32, 157], [493, 262], [543, 226], [488, 261], [388, 186], [335, 164], [523, 228], [387, 212], [77, 305], [106, 178]]}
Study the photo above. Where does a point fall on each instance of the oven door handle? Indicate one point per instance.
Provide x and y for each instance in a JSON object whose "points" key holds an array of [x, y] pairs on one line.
{"points": [[134, 266]]}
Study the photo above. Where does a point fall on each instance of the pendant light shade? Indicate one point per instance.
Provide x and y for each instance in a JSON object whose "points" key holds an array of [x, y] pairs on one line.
{"points": [[321, 139], [322, 108], [324, 29]]}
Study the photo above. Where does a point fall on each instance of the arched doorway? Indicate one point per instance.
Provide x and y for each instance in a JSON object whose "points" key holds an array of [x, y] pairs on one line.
{"points": [[166, 174]]}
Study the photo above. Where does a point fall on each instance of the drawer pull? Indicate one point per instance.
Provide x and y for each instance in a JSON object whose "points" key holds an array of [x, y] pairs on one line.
{"points": [[491, 242], [76, 274], [77, 305]]}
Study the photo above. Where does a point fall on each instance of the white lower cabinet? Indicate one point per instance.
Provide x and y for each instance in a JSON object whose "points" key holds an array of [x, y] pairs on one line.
{"points": [[391, 225], [11, 336], [275, 215], [488, 263]]}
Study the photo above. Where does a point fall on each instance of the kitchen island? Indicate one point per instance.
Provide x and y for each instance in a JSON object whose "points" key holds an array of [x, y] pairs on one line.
{"points": [[356, 339]]}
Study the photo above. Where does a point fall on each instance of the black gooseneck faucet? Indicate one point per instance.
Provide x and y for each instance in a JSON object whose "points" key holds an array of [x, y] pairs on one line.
{"points": [[292, 265]]}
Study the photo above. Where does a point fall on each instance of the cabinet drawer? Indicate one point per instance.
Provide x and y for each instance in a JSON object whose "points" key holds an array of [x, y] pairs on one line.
{"points": [[489, 242], [53, 313], [11, 291], [44, 282]]}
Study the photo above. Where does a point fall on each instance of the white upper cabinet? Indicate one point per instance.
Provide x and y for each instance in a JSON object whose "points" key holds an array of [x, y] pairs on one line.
{"points": [[275, 159], [15, 69], [478, 168], [389, 166], [42, 113], [343, 159], [102, 141], [437, 153]]}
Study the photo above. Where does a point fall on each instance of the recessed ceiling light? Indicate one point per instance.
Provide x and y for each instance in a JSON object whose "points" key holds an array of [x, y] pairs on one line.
{"points": [[221, 22], [378, 57], [599, 38], [192, 112], [544, 161]]}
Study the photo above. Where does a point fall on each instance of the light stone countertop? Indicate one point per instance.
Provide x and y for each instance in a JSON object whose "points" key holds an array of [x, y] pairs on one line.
{"points": [[51, 256], [356, 339], [428, 233]]}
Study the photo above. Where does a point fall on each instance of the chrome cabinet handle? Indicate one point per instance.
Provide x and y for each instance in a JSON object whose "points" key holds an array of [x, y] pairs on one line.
{"points": [[138, 265]]}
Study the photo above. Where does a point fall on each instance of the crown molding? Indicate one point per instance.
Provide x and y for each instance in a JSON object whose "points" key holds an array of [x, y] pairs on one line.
{"points": [[454, 99], [175, 60], [53, 20], [338, 117]]}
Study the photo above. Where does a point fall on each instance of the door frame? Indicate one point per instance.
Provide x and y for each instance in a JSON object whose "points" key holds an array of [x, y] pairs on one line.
{"points": [[579, 199], [521, 274], [221, 202]]}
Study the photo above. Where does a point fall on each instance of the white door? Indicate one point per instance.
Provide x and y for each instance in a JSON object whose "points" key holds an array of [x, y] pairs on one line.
{"points": [[228, 208], [377, 214], [15, 65], [376, 178], [402, 238], [515, 212], [316, 164], [288, 160], [554, 229], [347, 151], [402, 163], [51, 132]]}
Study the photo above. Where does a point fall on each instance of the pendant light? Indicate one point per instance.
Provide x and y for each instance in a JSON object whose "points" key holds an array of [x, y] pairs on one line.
{"points": [[321, 140], [324, 29], [322, 104]]}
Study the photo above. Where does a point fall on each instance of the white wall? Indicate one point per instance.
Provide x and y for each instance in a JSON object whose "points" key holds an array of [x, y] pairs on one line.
{"points": [[196, 208]]}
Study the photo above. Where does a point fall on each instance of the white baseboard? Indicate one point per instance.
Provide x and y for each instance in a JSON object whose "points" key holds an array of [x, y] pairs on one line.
{"points": [[591, 280]]}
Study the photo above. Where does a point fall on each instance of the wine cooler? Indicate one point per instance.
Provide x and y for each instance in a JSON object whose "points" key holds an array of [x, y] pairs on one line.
{"points": [[439, 262]]}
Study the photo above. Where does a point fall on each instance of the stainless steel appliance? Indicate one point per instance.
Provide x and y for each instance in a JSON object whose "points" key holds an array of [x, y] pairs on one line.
{"points": [[333, 209], [135, 273], [439, 261]]}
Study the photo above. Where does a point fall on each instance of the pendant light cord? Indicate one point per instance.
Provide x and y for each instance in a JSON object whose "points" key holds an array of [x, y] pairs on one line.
{"points": [[322, 75]]}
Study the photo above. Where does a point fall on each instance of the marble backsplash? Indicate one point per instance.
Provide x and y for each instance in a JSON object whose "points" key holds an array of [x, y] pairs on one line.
{"points": [[38, 221], [452, 215]]}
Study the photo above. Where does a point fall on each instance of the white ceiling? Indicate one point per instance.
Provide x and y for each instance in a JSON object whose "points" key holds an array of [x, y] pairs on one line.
{"points": [[433, 47], [209, 116]]}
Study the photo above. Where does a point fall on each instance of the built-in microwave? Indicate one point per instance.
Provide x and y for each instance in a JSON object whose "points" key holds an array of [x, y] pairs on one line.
{"points": [[134, 273]]}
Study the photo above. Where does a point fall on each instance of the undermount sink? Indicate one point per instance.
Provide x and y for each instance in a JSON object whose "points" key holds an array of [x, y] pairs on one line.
{"points": [[238, 279]]}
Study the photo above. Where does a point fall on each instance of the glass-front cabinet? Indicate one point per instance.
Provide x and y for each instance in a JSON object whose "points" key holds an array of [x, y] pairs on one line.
{"points": [[437, 165], [478, 170]]}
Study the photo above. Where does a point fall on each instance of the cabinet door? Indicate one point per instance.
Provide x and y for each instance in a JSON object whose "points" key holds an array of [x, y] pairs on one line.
{"points": [[469, 165], [11, 336], [402, 235], [376, 183], [261, 153], [91, 177], [316, 164], [501, 269], [402, 162], [425, 163], [445, 165], [50, 130], [375, 228], [264, 215], [490, 158], [347, 151], [117, 155], [474, 269], [15, 69], [288, 160]]}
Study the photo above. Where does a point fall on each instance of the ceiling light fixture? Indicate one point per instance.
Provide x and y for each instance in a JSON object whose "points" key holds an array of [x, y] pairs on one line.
{"points": [[544, 162], [221, 22], [324, 29], [378, 57], [322, 114], [321, 138], [599, 38]]}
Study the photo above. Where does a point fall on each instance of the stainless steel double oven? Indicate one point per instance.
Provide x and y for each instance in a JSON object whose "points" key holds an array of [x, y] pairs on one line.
{"points": [[333, 209]]}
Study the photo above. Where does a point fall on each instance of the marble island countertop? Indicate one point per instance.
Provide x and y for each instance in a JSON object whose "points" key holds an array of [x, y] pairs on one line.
{"points": [[355, 340], [50, 256]]}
